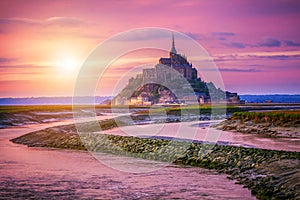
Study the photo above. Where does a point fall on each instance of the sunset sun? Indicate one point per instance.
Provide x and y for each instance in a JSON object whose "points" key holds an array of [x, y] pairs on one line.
{"points": [[67, 64]]}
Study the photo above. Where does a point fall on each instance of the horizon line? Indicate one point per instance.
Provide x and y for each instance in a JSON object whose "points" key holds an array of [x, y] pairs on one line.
{"points": [[28, 97]]}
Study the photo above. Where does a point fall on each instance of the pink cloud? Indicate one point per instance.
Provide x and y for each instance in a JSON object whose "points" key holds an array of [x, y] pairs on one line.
{"points": [[34, 31]]}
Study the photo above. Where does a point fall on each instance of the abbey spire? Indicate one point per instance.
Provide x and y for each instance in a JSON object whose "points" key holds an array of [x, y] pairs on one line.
{"points": [[173, 50]]}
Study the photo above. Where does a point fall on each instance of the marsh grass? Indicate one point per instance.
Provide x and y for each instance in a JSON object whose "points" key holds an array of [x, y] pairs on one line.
{"points": [[277, 118]]}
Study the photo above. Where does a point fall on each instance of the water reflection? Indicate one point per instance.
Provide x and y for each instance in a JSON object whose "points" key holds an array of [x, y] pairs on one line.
{"points": [[67, 174]]}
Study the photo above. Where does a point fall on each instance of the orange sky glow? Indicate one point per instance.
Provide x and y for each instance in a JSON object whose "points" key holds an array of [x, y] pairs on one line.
{"points": [[255, 44]]}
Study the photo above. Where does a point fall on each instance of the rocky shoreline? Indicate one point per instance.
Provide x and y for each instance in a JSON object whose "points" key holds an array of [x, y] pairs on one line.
{"points": [[268, 174], [273, 124]]}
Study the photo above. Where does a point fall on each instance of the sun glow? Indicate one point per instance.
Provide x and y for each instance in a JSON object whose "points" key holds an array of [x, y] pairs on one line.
{"points": [[67, 64]]}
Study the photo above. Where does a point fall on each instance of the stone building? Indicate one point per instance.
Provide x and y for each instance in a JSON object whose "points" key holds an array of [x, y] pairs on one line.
{"points": [[149, 75], [162, 73], [179, 63], [172, 75]]}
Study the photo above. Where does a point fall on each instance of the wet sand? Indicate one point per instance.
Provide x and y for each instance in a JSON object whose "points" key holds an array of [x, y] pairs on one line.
{"points": [[68, 174]]}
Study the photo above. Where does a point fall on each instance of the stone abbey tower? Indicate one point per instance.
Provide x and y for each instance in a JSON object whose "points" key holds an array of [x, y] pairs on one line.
{"points": [[175, 61]]}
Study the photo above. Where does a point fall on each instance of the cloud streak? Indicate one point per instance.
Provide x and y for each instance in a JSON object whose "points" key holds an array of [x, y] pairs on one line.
{"points": [[258, 55], [291, 43], [7, 60], [238, 45], [223, 34], [52, 21], [195, 36], [25, 67], [142, 35], [270, 42], [239, 70], [276, 57], [234, 70]]}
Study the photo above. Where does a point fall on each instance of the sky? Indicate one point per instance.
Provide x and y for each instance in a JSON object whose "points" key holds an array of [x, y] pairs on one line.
{"points": [[254, 44]]}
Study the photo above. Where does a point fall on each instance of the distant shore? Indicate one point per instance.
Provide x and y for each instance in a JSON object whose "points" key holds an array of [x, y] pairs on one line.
{"points": [[67, 100]]}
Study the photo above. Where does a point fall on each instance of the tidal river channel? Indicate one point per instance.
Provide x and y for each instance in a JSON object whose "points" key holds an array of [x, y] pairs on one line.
{"points": [[43, 173]]}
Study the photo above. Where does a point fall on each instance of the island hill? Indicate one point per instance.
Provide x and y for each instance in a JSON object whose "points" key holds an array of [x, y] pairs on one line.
{"points": [[173, 80]]}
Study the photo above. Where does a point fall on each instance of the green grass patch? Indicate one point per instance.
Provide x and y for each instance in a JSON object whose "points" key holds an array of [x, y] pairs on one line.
{"points": [[273, 117], [190, 110]]}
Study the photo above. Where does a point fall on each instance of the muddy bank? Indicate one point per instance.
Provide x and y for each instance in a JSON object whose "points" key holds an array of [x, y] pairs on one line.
{"points": [[273, 124], [251, 127], [268, 174]]}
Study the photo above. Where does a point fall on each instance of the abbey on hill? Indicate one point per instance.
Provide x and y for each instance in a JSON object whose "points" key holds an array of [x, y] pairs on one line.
{"points": [[175, 61], [172, 80]]}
